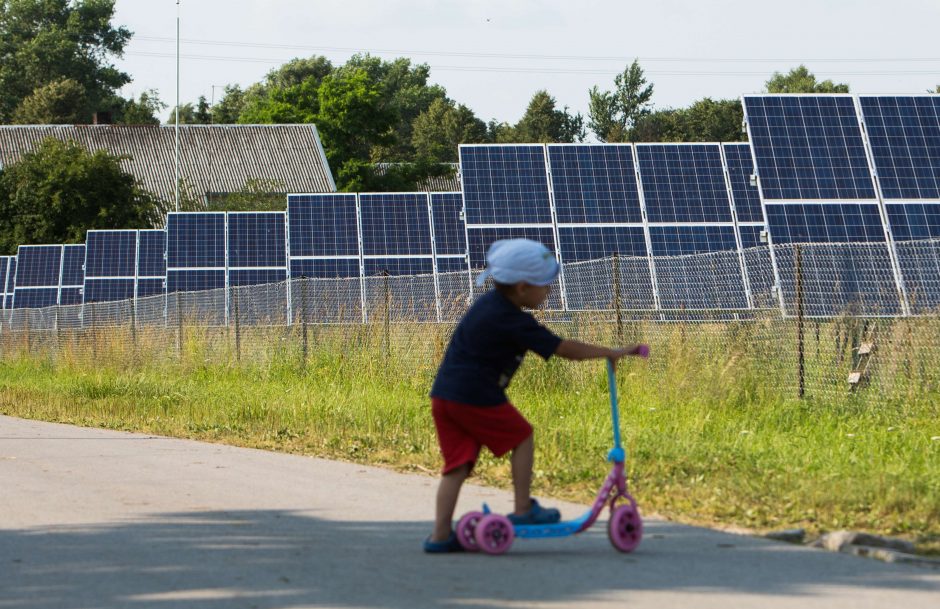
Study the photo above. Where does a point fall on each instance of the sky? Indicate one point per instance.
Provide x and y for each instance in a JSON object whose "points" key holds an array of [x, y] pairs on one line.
{"points": [[494, 55]]}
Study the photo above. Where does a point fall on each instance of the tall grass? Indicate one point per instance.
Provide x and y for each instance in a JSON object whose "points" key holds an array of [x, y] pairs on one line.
{"points": [[713, 425]]}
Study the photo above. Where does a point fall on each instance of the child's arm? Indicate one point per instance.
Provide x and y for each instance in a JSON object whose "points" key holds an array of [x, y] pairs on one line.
{"points": [[575, 350]]}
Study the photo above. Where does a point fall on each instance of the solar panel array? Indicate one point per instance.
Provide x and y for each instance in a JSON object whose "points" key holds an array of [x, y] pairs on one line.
{"points": [[839, 169], [8, 275], [832, 169], [48, 275]]}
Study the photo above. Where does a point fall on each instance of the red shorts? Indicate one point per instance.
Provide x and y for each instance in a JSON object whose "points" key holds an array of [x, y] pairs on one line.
{"points": [[463, 429]]}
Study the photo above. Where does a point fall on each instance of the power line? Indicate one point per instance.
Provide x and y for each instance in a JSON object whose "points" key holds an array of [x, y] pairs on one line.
{"points": [[538, 70], [621, 58]]}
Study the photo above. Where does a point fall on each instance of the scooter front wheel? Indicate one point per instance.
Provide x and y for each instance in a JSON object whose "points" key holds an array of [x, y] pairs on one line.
{"points": [[625, 527], [494, 534], [466, 527]]}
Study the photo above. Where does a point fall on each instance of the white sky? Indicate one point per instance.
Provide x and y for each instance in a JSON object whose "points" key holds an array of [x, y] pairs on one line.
{"points": [[689, 49]]}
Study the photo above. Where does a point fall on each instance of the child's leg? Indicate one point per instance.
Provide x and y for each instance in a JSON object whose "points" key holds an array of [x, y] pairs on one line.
{"points": [[447, 493], [522, 459]]}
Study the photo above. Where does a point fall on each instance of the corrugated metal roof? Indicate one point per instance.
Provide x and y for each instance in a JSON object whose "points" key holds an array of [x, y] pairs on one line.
{"points": [[213, 158], [449, 183]]}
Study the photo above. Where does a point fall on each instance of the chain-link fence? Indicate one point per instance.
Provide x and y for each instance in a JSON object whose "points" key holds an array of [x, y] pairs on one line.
{"points": [[834, 327]]}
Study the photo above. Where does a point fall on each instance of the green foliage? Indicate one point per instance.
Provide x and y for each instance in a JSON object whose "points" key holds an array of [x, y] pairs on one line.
{"points": [[406, 92], [289, 94], [439, 130], [256, 195], [57, 103], [706, 120], [801, 80], [48, 41], [230, 107], [543, 123], [357, 175], [613, 113], [142, 111], [354, 116], [57, 192]]}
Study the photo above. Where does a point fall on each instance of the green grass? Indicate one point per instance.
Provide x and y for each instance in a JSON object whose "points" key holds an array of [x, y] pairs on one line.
{"points": [[714, 430]]}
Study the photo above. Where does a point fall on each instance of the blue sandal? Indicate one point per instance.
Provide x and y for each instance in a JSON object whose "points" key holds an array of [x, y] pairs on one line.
{"points": [[536, 515], [443, 547]]}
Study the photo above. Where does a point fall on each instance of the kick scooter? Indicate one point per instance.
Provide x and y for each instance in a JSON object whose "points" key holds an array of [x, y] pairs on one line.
{"points": [[494, 533]]}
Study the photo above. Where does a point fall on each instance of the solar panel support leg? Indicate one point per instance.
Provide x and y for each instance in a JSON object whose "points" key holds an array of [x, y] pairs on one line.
{"points": [[238, 333]]}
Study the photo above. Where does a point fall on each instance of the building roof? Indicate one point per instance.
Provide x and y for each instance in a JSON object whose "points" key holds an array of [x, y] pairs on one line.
{"points": [[448, 183], [213, 158]]}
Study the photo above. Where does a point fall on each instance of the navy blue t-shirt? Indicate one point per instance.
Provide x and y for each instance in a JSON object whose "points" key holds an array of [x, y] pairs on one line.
{"points": [[486, 350]]}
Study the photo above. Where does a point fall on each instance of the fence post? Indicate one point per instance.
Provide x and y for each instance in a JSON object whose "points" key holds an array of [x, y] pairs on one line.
{"points": [[179, 327], [799, 318], [388, 310], [304, 300], [134, 324], [93, 325], [616, 273], [238, 333]]}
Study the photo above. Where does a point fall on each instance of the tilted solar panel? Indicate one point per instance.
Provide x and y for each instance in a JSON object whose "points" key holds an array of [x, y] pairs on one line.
{"points": [[808, 147], [904, 135], [594, 184], [505, 184], [450, 236]]}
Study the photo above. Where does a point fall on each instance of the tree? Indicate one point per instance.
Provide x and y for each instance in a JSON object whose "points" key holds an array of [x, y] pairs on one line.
{"points": [[801, 80], [230, 107], [542, 122], [353, 118], [706, 120], [203, 115], [47, 41], [57, 103], [187, 115], [612, 113], [142, 111], [438, 131], [406, 90], [57, 192], [289, 94]]}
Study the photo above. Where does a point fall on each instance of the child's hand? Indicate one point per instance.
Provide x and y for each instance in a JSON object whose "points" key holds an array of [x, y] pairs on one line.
{"points": [[638, 350]]}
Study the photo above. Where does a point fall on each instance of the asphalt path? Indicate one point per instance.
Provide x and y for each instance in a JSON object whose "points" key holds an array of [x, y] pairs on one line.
{"points": [[103, 519]]}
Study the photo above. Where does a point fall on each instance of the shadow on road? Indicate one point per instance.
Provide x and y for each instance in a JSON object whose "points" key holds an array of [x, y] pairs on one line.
{"points": [[274, 559]]}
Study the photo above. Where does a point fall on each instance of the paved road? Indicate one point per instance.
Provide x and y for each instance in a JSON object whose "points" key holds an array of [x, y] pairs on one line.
{"points": [[101, 519]]}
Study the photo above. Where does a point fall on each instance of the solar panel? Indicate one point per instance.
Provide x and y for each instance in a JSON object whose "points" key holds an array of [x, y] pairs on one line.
{"points": [[395, 224], [505, 184], [450, 237], [151, 255], [683, 183], [744, 193], [808, 147], [257, 240], [686, 193], [680, 240], [594, 184], [110, 265], [323, 225], [904, 136], [916, 230], [38, 275], [479, 240], [7, 268], [195, 240], [815, 179], [196, 256]]}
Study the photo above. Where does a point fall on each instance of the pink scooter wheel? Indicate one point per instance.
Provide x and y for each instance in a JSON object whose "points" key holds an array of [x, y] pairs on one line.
{"points": [[625, 528], [494, 534], [465, 528]]}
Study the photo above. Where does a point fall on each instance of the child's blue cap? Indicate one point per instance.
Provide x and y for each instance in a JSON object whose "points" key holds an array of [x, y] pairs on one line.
{"points": [[513, 260]]}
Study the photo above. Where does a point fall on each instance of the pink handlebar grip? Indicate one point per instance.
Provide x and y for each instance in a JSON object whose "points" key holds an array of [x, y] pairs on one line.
{"points": [[643, 350]]}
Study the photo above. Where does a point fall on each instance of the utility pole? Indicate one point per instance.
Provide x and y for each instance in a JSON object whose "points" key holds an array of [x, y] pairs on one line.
{"points": [[177, 186]]}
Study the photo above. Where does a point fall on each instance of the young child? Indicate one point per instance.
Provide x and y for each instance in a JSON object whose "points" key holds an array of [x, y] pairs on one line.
{"points": [[468, 398]]}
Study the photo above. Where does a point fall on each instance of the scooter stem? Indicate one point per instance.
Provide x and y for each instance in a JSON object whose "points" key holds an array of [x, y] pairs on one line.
{"points": [[616, 454]]}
